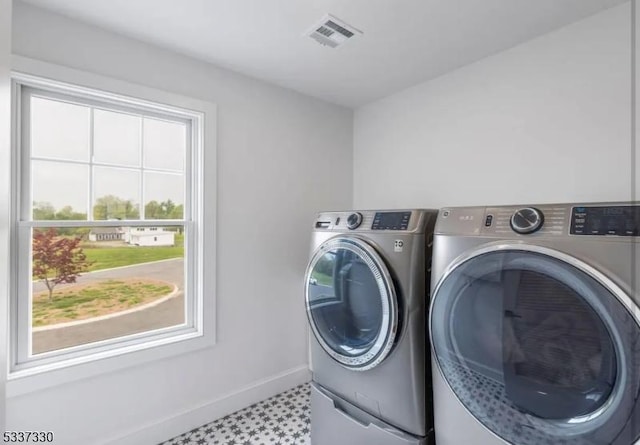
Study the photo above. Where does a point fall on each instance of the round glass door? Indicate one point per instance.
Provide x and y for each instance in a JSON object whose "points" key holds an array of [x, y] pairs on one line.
{"points": [[351, 303], [538, 347]]}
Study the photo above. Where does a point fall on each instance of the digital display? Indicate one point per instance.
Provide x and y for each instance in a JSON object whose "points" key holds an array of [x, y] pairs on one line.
{"points": [[612, 220], [391, 221]]}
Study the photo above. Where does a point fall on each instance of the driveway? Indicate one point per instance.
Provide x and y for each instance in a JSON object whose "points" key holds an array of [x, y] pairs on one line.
{"points": [[168, 313], [167, 270]]}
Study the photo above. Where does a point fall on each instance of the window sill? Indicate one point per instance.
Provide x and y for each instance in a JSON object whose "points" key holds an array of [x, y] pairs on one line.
{"points": [[38, 378]]}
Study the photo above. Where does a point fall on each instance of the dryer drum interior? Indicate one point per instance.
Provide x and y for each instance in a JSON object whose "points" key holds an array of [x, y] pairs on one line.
{"points": [[351, 303], [538, 348]]}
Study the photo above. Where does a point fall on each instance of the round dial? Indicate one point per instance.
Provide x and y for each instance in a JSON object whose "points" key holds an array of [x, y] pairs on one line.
{"points": [[527, 220], [354, 220]]}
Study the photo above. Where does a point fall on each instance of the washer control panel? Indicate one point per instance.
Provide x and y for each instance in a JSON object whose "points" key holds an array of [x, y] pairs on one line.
{"points": [[391, 221], [354, 220], [375, 220], [606, 220], [526, 220]]}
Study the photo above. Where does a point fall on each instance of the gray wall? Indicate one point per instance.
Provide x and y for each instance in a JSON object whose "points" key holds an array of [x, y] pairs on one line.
{"points": [[272, 143], [547, 121], [5, 171]]}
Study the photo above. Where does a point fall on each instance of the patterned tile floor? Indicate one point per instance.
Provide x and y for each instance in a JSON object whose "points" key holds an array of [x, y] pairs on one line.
{"points": [[281, 420]]}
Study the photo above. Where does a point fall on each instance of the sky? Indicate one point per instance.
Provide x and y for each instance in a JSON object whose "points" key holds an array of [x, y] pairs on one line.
{"points": [[62, 132]]}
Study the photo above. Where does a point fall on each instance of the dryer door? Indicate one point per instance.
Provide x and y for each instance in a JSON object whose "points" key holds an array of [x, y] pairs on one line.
{"points": [[539, 347], [351, 302]]}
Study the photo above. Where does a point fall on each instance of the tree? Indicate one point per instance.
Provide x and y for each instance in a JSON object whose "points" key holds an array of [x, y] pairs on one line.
{"points": [[163, 210], [67, 213], [168, 207], [152, 210], [57, 259], [112, 207], [177, 212], [43, 211]]}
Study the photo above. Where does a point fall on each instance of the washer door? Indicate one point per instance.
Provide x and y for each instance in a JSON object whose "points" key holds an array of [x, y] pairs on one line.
{"points": [[539, 347], [351, 303]]}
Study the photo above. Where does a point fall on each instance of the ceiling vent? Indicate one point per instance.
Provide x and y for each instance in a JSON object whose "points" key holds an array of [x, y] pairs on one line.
{"points": [[332, 32]]}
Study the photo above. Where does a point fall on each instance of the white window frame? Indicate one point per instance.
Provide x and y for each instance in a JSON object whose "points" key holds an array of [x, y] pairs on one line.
{"points": [[27, 373]]}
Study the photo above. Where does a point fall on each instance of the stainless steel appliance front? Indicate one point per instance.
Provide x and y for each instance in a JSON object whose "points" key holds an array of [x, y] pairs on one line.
{"points": [[366, 290], [534, 328]]}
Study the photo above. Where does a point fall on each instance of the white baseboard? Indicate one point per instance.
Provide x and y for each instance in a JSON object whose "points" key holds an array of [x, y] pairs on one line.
{"points": [[154, 433]]}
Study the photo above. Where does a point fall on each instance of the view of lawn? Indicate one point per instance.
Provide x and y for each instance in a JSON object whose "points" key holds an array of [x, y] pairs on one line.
{"points": [[322, 278], [78, 302], [111, 256], [82, 301]]}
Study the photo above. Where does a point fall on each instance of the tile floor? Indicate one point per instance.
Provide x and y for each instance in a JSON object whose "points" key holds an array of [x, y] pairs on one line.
{"points": [[281, 420]]}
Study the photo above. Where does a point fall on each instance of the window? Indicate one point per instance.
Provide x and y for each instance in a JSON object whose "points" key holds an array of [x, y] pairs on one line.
{"points": [[108, 217]]}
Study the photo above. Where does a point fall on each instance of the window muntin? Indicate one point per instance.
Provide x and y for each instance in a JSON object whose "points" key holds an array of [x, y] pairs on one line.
{"points": [[72, 160]]}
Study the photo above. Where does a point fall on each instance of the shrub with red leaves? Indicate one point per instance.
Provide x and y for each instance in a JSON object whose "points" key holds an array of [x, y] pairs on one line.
{"points": [[57, 259]]}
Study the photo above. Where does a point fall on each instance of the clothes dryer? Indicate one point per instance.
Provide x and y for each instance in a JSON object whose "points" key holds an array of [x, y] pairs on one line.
{"points": [[366, 297], [534, 325]]}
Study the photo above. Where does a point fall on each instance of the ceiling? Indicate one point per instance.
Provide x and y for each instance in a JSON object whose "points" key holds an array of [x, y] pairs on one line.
{"points": [[404, 42]]}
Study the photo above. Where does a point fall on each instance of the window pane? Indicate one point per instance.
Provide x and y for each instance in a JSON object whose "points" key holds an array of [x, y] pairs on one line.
{"points": [[116, 138], [59, 190], [117, 286], [59, 129], [116, 193], [164, 196], [164, 144]]}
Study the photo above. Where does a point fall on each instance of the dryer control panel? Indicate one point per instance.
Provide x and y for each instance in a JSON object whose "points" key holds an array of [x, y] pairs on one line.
{"points": [[606, 220], [619, 220], [357, 221]]}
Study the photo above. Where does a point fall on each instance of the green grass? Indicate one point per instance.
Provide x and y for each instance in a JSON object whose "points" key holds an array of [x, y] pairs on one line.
{"points": [[107, 256], [110, 257], [80, 302], [322, 278]]}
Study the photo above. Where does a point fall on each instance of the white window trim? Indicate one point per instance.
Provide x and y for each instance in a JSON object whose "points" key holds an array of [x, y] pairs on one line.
{"points": [[37, 74]]}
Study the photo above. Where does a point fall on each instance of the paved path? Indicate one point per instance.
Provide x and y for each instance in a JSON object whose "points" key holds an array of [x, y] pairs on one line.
{"points": [[168, 270], [168, 313]]}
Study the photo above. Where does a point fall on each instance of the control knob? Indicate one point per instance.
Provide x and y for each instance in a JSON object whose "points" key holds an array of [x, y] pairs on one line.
{"points": [[354, 220], [527, 220]]}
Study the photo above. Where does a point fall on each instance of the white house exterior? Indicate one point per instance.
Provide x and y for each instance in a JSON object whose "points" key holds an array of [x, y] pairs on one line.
{"points": [[148, 236], [106, 234]]}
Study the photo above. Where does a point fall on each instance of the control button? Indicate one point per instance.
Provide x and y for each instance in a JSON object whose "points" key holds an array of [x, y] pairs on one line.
{"points": [[527, 220], [488, 221], [354, 220]]}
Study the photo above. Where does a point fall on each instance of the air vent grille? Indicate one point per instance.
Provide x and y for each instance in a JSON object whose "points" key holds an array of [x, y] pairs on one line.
{"points": [[345, 32], [325, 31], [332, 32]]}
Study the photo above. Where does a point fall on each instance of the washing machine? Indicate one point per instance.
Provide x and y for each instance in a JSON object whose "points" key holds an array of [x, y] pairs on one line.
{"points": [[367, 285], [534, 325]]}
